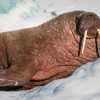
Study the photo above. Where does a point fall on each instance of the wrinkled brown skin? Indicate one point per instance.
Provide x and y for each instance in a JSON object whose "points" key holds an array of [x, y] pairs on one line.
{"points": [[50, 51]]}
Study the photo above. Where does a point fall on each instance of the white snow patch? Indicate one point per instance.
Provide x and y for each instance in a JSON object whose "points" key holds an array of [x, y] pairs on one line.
{"points": [[29, 13]]}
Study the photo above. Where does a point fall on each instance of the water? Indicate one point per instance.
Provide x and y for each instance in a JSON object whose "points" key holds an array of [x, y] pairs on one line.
{"points": [[15, 14], [7, 5]]}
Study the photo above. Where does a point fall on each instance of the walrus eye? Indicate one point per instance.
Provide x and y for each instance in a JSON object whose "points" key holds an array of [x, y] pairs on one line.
{"points": [[90, 15]]}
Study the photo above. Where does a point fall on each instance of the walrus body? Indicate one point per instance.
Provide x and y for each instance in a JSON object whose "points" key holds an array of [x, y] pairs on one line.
{"points": [[44, 53]]}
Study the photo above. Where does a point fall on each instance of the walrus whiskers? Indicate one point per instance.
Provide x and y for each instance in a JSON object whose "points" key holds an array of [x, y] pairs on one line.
{"points": [[84, 40]]}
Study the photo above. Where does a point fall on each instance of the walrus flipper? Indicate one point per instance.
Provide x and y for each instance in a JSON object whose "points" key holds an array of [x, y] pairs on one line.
{"points": [[15, 76], [3, 54]]}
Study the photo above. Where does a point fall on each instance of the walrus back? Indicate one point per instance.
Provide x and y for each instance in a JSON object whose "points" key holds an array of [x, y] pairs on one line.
{"points": [[25, 44]]}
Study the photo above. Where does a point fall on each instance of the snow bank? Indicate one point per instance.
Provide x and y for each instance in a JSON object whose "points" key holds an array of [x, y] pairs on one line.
{"points": [[84, 84]]}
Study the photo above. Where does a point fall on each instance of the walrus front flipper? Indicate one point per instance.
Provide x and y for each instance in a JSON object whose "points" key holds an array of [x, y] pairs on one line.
{"points": [[3, 54], [15, 76]]}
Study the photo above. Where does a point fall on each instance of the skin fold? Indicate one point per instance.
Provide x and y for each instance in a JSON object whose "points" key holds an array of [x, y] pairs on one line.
{"points": [[35, 56]]}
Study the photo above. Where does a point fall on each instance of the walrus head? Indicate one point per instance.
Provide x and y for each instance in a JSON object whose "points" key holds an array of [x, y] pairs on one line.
{"points": [[88, 26]]}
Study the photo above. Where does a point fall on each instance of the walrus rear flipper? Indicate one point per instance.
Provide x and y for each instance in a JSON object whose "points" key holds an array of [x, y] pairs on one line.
{"points": [[15, 76]]}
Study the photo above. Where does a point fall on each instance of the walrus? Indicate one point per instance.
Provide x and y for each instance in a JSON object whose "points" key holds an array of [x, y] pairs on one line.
{"points": [[52, 50]]}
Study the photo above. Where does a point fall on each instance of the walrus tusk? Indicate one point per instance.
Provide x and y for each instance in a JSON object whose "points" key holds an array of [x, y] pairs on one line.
{"points": [[98, 43], [98, 31], [83, 42]]}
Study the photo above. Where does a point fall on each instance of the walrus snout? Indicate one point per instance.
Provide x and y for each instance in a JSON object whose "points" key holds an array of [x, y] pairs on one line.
{"points": [[95, 34]]}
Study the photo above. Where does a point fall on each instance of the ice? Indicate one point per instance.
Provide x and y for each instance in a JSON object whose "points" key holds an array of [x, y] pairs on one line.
{"points": [[84, 84]]}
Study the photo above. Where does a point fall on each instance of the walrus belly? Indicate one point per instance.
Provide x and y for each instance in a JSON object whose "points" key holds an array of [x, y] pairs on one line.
{"points": [[48, 73]]}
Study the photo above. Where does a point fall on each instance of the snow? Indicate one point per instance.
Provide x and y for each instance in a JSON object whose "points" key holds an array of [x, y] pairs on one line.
{"points": [[16, 14], [84, 84]]}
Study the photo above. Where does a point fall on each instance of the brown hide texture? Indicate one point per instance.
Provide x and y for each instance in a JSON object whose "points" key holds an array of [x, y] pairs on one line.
{"points": [[35, 56]]}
